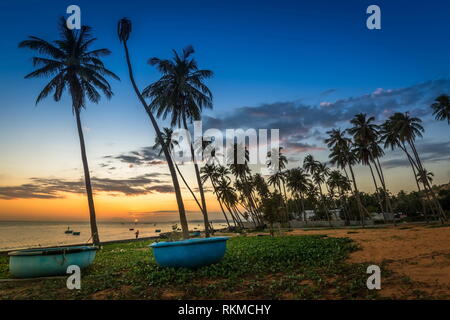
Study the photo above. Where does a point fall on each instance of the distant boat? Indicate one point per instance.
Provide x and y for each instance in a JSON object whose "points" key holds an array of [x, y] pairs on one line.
{"points": [[76, 233], [68, 231], [158, 230]]}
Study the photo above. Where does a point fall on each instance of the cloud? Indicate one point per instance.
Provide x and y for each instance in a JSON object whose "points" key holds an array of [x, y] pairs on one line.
{"points": [[428, 152], [300, 124], [143, 156], [53, 188]]}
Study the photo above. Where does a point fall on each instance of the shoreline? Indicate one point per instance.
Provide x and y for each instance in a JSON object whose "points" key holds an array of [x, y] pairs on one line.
{"points": [[312, 228]]}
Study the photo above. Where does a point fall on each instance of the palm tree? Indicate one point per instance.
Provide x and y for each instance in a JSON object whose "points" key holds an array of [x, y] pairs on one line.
{"points": [[402, 130], [238, 164], [338, 181], [278, 167], [297, 181], [428, 175], [343, 157], [181, 93], [441, 108], [318, 176], [366, 135], [228, 196], [364, 155], [171, 142], [73, 66], [392, 141], [124, 31], [317, 171], [260, 186], [209, 171]]}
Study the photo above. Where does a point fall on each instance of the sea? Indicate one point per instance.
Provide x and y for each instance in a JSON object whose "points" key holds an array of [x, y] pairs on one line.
{"points": [[35, 234]]}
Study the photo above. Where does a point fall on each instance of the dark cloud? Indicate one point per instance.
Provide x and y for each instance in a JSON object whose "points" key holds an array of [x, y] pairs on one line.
{"points": [[428, 152], [143, 156], [55, 188], [298, 122]]}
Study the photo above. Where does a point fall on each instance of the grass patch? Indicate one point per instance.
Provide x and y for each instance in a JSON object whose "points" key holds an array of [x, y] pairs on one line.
{"points": [[288, 267], [438, 225]]}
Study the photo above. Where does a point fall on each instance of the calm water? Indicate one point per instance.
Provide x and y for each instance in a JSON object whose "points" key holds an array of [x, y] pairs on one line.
{"points": [[25, 234]]}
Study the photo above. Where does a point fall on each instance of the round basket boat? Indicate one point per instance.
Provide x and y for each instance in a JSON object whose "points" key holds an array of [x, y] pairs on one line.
{"points": [[49, 261], [190, 253]]}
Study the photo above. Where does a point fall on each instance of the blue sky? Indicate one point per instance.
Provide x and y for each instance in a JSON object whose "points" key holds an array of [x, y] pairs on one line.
{"points": [[266, 55]]}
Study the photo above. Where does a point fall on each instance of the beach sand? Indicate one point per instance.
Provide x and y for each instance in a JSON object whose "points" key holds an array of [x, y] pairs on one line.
{"points": [[417, 256]]}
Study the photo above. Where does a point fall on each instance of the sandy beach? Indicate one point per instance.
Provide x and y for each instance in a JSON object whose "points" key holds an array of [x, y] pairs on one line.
{"points": [[417, 256]]}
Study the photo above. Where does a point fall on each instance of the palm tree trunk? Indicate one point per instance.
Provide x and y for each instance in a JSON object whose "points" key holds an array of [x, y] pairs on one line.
{"points": [[220, 203], [87, 179], [387, 199], [427, 184], [303, 208], [187, 185], [176, 185], [199, 181], [376, 192], [358, 199], [324, 204], [343, 205], [411, 162]]}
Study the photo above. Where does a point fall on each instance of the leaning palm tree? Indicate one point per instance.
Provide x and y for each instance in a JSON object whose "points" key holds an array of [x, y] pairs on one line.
{"points": [[171, 143], [336, 180], [124, 30], [427, 175], [342, 155], [277, 167], [366, 135], [73, 66], [297, 181], [441, 108], [402, 130], [317, 171], [182, 94], [209, 171]]}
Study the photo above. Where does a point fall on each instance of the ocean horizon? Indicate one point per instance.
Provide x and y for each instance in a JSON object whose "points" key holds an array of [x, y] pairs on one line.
{"points": [[22, 234]]}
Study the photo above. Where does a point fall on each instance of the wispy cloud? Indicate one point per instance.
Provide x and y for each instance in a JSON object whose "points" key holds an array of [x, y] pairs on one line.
{"points": [[53, 188], [300, 124]]}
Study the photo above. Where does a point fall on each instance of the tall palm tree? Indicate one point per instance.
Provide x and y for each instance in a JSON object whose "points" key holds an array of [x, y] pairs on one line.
{"points": [[317, 171], [171, 142], [240, 169], [402, 130], [336, 180], [73, 66], [124, 30], [391, 140], [209, 171], [427, 174], [261, 186], [228, 196], [342, 156], [297, 181], [278, 167], [441, 108], [366, 135], [182, 94], [364, 155]]}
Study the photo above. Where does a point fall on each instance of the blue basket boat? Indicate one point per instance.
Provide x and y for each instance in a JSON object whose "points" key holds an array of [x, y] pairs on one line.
{"points": [[190, 253], [49, 261]]}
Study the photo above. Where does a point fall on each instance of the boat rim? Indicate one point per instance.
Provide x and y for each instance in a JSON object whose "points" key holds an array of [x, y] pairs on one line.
{"points": [[187, 242], [51, 251]]}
